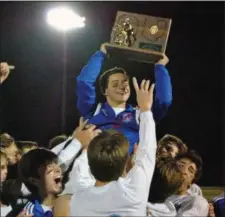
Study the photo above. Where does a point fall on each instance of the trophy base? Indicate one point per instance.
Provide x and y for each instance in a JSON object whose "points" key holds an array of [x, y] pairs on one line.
{"points": [[134, 54]]}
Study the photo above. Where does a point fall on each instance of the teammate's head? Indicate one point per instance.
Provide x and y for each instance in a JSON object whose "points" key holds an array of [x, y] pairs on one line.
{"points": [[108, 155], [170, 146], [190, 164], [167, 180], [9, 147], [40, 172]]}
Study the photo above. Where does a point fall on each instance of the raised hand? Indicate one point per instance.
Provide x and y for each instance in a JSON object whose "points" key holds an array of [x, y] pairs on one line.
{"points": [[102, 48], [163, 61], [144, 94], [4, 71], [85, 132]]}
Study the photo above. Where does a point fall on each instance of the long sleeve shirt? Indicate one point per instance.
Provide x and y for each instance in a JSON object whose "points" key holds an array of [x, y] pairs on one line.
{"points": [[125, 197], [103, 115]]}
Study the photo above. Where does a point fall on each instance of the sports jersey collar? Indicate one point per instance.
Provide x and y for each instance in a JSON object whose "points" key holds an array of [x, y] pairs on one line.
{"points": [[108, 111]]}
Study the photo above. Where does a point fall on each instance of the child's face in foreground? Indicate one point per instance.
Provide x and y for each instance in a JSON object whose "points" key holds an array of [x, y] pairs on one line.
{"points": [[52, 179], [4, 169]]}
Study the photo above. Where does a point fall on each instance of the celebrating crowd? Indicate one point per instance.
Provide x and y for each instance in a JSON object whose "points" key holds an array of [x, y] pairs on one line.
{"points": [[112, 164]]}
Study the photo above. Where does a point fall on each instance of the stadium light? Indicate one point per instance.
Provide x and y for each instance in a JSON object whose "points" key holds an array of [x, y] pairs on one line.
{"points": [[64, 19]]}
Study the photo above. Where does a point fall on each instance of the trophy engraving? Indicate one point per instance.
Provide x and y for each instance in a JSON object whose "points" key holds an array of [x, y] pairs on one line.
{"points": [[139, 37], [154, 29], [126, 35]]}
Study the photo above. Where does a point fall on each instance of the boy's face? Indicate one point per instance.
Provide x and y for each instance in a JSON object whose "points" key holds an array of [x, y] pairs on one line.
{"points": [[52, 179], [4, 169], [188, 170], [118, 89], [11, 152], [168, 150]]}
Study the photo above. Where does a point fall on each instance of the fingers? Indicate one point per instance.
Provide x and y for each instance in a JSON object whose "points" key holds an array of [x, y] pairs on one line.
{"points": [[143, 84], [136, 87], [97, 132], [152, 89], [91, 127], [146, 85], [11, 67], [82, 123], [5, 67]]}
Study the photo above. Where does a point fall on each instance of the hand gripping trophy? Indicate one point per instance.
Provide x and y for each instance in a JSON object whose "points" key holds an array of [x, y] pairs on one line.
{"points": [[126, 34]]}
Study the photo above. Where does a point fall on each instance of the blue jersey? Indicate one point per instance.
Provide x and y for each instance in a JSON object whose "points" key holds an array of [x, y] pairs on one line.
{"points": [[126, 121], [219, 205], [38, 210]]}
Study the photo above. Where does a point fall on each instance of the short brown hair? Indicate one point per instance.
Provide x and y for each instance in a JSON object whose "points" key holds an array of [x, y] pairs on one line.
{"points": [[56, 141], [26, 144], [104, 78], [193, 156], [182, 147], [108, 155], [6, 140], [166, 181]]}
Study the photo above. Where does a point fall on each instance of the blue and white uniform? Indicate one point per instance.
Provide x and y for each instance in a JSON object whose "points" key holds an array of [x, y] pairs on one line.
{"points": [[104, 116]]}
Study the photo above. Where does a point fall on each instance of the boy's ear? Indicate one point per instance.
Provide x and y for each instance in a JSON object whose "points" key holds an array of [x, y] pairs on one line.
{"points": [[34, 181]]}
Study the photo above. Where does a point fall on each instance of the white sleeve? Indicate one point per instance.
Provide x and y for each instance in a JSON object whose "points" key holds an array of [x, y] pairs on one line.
{"points": [[140, 176], [198, 207], [67, 155], [81, 174], [59, 147]]}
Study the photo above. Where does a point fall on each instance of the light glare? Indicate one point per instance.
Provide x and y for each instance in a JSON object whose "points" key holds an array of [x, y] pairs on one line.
{"points": [[64, 19]]}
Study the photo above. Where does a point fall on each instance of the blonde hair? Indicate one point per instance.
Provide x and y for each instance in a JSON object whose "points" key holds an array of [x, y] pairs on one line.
{"points": [[2, 154]]}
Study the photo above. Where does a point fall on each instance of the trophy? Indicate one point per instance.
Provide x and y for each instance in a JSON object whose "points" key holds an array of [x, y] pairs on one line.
{"points": [[139, 37]]}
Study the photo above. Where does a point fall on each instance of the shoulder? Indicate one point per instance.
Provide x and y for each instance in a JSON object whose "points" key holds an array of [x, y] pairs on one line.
{"points": [[195, 190], [219, 198], [195, 206]]}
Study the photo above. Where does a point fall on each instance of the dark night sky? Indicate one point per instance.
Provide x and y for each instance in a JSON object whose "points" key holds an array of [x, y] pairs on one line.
{"points": [[32, 94]]}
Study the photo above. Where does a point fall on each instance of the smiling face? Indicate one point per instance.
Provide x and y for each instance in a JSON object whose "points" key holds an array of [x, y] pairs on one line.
{"points": [[52, 179], [118, 89]]}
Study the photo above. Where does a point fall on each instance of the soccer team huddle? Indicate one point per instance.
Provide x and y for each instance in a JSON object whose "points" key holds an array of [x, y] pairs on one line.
{"points": [[112, 164]]}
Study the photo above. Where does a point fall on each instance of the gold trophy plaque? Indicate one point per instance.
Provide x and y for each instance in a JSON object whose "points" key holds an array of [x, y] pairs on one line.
{"points": [[139, 37]]}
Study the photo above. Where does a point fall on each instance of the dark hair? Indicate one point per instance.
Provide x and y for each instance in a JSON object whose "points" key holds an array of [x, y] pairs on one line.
{"points": [[28, 166], [108, 155], [56, 141], [193, 156], [6, 140], [104, 78], [26, 144], [182, 147], [166, 181]]}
